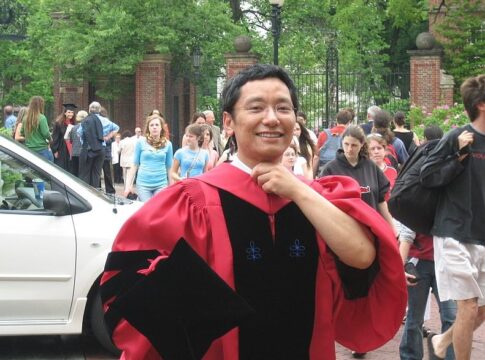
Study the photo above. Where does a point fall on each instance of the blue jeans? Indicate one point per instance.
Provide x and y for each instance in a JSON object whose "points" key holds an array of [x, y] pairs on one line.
{"points": [[411, 347], [47, 153], [146, 193]]}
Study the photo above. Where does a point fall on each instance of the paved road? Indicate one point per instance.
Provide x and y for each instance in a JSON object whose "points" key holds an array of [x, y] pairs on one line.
{"points": [[67, 347]]}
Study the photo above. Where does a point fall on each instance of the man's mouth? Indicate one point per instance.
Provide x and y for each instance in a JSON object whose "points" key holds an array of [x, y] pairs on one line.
{"points": [[270, 135]]}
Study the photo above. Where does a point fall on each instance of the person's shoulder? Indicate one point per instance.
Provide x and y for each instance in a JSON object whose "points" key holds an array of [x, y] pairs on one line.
{"points": [[179, 151]]}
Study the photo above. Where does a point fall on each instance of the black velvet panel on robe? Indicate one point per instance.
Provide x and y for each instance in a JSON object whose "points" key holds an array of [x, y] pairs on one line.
{"points": [[181, 306], [275, 275]]}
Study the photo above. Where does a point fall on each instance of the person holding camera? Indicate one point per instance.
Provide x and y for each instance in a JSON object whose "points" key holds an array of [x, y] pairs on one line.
{"points": [[418, 257]]}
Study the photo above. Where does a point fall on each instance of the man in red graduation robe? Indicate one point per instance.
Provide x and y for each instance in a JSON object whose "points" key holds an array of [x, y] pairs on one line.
{"points": [[313, 262]]}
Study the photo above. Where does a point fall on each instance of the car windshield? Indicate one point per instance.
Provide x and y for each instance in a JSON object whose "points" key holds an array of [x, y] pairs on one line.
{"points": [[111, 198]]}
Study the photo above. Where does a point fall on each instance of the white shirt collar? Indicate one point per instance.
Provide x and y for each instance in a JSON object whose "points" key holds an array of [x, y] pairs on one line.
{"points": [[236, 162]]}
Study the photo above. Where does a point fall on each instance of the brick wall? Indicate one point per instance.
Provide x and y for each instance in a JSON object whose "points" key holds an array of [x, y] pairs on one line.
{"points": [[150, 85]]}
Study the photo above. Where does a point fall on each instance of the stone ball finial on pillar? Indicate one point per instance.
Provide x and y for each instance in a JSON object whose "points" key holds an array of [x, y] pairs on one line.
{"points": [[425, 41], [242, 58], [242, 44]]}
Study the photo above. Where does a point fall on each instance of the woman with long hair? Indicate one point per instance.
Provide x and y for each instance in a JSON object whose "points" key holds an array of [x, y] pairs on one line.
{"points": [[353, 160], [35, 129], [61, 144], [153, 158], [165, 126], [208, 146], [307, 149], [190, 160], [408, 137], [198, 118], [18, 125]]}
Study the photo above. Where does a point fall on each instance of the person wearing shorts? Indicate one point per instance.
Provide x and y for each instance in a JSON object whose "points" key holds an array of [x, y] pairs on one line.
{"points": [[457, 165]]}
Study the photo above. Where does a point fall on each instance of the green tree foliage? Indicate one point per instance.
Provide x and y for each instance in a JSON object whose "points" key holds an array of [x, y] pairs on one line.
{"points": [[463, 34], [25, 66], [105, 39]]}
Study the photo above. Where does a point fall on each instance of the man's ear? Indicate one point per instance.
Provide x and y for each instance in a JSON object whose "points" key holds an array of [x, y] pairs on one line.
{"points": [[228, 121]]}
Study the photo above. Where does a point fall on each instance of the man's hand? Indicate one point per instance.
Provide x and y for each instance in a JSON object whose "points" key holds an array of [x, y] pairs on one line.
{"points": [[276, 179], [464, 139], [409, 279]]}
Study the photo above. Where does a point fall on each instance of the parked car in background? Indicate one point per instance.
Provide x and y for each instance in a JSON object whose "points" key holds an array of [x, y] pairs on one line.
{"points": [[55, 234]]}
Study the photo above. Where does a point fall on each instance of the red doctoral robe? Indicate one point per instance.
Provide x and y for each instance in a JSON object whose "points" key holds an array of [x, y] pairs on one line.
{"points": [[191, 209]]}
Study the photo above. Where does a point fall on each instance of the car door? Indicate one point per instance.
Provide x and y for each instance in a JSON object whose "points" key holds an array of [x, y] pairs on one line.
{"points": [[37, 248]]}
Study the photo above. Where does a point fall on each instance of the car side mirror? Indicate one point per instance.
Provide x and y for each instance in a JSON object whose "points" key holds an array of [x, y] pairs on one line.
{"points": [[56, 202]]}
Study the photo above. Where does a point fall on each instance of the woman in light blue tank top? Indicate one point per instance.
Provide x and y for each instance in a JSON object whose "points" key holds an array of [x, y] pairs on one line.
{"points": [[191, 160], [153, 157]]}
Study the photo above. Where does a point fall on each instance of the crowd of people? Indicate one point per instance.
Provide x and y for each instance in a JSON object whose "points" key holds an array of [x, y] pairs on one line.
{"points": [[246, 171]]}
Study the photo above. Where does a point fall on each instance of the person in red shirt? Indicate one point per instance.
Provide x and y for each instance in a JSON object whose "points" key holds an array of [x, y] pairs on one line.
{"points": [[344, 118]]}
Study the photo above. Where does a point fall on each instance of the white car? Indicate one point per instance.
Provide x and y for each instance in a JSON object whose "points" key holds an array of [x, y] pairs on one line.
{"points": [[55, 235]]}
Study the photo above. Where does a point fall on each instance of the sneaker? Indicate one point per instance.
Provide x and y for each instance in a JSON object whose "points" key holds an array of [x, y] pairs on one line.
{"points": [[426, 331]]}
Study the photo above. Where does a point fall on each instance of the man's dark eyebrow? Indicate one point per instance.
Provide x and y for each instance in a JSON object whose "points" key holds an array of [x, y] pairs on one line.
{"points": [[261, 99]]}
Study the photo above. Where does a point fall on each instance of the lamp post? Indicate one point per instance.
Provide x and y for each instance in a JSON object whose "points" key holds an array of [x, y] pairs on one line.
{"points": [[196, 61], [332, 76], [276, 26]]}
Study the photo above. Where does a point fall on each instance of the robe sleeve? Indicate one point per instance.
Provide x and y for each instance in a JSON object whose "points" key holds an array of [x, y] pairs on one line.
{"points": [[370, 319], [176, 212]]}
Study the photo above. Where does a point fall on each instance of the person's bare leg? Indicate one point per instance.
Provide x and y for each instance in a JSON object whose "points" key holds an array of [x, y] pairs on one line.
{"points": [[467, 311]]}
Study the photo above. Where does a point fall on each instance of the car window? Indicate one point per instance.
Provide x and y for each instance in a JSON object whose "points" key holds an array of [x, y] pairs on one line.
{"points": [[21, 186]]}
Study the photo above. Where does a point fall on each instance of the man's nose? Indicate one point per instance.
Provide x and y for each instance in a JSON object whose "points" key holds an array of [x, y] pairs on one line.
{"points": [[270, 116]]}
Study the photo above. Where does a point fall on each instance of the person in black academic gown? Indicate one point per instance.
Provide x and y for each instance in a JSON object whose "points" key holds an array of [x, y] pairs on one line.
{"points": [[250, 262], [61, 145]]}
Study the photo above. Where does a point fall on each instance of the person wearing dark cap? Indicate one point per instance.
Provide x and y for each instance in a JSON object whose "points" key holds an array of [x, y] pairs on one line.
{"points": [[293, 264], [61, 144]]}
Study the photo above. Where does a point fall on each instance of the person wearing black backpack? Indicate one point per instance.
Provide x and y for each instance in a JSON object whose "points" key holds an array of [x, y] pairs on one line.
{"points": [[457, 165], [417, 252]]}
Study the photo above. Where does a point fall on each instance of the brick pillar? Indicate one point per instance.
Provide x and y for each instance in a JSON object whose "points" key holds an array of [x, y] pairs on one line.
{"points": [[425, 77], [235, 62], [151, 78]]}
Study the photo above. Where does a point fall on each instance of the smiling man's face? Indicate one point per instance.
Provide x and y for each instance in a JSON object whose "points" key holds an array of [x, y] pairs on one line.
{"points": [[263, 120]]}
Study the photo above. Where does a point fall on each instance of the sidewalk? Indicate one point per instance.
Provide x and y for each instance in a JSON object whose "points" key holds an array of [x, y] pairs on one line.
{"points": [[390, 351]]}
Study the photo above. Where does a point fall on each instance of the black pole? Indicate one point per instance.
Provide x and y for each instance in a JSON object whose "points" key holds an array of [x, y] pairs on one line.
{"points": [[275, 30]]}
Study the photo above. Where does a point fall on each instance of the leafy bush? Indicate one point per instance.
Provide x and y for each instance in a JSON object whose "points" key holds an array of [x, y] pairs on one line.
{"points": [[444, 116], [5, 132], [396, 105]]}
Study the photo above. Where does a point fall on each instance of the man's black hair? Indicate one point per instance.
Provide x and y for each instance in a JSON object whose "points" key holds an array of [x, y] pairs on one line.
{"points": [[232, 90], [433, 132]]}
